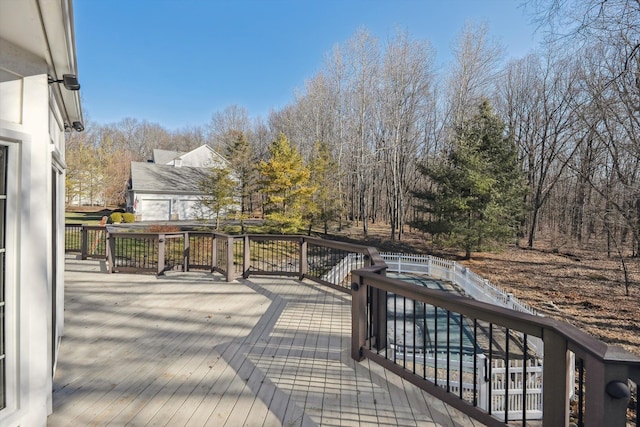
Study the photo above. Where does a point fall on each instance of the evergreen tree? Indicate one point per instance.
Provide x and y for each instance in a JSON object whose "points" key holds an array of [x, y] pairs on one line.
{"points": [[476, 196], [218, 188], [285, 184]]}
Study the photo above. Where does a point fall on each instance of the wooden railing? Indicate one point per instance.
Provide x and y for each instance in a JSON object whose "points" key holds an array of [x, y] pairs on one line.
{"points": [[88, 240], [232, 256], [449, 345], [388, 314]]}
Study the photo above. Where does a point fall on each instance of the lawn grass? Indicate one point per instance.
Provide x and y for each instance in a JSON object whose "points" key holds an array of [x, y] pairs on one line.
{"points": [[89, 218]]}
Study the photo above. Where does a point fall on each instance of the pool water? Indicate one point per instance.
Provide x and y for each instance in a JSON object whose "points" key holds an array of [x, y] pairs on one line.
{"points": [[422, 328]]}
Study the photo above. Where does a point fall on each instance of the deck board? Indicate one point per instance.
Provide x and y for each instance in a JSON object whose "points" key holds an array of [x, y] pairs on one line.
{"points": [[189, 349]]}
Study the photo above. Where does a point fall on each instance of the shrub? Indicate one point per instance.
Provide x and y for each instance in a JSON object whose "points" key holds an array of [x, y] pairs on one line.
{"points": [[128, 217], [116, 217]]}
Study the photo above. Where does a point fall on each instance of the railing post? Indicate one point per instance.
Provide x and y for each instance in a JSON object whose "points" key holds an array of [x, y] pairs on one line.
{"points": [[367, 260], [161, 239], [303, 258], [230, 269], [111, 252], [379, 318], [214, 251], [378, 306], [482, 382], [246, 258], [602, 407], [555, 377], [358, 316], [187, 246], [84, 241]]}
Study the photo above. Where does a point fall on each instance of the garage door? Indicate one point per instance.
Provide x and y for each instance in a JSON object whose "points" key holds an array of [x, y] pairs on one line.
{"points": [[155, 210]]}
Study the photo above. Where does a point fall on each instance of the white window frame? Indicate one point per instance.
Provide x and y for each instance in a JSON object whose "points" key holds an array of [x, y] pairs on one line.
{"points": [[13, 140]]}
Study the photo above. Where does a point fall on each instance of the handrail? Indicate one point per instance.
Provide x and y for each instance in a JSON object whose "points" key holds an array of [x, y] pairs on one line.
{"points": [[352, 247], [460, 304], [531, 324], [605, 365], [343, 261], [88, 240]]}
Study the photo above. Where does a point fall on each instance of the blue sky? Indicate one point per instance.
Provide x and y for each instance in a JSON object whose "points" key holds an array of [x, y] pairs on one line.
{"points": [[176, 62]]}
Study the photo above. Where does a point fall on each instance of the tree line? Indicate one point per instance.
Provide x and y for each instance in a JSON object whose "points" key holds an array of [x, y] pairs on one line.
{"points": [[489, 149]]}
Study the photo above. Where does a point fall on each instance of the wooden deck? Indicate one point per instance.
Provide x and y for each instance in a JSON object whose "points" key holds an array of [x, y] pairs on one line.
{"points": [[189, 349]]}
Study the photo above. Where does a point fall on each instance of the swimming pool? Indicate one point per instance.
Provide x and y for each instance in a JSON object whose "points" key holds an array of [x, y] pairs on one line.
{"points": [[415, 327]]}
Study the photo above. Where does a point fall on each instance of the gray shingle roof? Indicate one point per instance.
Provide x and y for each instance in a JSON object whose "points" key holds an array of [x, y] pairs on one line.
{"points": [[151, 177]]}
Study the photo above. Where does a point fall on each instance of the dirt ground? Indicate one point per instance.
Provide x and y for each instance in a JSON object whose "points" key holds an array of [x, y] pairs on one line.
{"points": [[582, 287]]}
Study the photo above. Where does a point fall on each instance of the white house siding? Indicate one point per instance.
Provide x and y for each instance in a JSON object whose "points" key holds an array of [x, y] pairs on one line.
{"points": [[165, 207], [32, 128], [34, 251], [187, 208], [202, 156]]}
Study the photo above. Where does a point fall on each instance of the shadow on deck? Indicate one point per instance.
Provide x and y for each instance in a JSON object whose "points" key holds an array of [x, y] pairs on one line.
{"points": [[192, 349]]}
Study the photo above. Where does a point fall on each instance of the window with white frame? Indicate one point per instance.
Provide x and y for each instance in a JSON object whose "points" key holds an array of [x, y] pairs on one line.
{"points": [[4, 151]]}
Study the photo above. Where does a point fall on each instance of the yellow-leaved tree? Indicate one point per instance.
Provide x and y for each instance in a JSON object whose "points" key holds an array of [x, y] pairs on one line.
{"points": [[284, 180]]}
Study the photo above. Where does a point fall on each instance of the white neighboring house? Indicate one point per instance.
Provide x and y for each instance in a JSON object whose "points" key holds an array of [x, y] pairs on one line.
{"points": [[37, 48], [167, 187]]}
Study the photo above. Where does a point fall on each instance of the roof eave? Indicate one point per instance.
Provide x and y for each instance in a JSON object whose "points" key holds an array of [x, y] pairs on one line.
{"points": [[58, 24]]}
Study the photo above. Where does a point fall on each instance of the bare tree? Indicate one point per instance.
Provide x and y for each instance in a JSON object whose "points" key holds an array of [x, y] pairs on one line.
{"points": [[84, 171], [224, 124], [336, 83], [117, 169], [475, 68], [362, 66], [540, 94], [405, 93], [138, 137], [582, 23], [186, 139], [612, 113]]}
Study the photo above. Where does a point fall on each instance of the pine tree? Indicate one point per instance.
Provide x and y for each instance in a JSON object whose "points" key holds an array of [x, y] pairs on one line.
{"points": [[285, 183], [476, 197]]}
